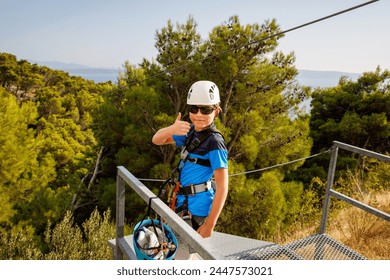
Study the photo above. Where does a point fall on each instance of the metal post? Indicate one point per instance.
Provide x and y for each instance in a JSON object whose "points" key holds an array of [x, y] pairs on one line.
{"points": [[120, 215], [329, 183]]}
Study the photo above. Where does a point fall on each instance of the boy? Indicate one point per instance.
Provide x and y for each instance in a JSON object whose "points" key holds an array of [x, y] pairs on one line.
{"points": [[204, 157]]}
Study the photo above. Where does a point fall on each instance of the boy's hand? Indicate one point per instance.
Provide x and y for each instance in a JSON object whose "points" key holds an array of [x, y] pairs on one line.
{"points": [[180, 127], [205, 230]]}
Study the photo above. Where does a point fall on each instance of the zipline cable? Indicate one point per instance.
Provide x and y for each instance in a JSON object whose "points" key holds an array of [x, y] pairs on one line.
{"points": [[256, 170], [177, 69], [279, 165], [180, 68]]}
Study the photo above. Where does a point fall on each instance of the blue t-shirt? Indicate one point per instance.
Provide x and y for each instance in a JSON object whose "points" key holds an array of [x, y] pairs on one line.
{"points": [[212, 148]]}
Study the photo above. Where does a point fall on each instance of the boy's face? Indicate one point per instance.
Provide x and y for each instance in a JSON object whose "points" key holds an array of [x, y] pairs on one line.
{"points": [[202, 120]]}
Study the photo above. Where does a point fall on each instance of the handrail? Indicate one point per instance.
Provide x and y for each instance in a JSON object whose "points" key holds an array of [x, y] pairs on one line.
{"points": [[361, 151], [330, 180], [202, 245]]}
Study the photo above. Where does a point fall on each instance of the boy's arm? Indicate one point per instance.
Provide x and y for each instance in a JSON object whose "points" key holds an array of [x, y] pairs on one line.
{"points": [[221, 180], [164, 135]]}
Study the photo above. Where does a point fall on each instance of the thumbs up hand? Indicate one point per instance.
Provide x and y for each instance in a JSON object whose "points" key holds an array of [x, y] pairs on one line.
{"points": [[164, 135], [180, 127]]}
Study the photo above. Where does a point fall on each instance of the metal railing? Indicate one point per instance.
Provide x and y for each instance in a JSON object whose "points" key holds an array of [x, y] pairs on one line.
{"points": [[201, 245], [331, 192]]}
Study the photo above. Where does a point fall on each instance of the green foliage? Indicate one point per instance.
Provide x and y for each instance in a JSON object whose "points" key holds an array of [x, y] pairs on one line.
{"points": [[292, 193], [98, 230], [19, 243], [178, 47], [370, 176], [22, 171], [47, 145], [67, 241], [124, 125], [255, 208], [355, 113], [52, 126]]}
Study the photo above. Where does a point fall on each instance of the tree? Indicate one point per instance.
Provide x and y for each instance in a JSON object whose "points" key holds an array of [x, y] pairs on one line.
{"points": [[19, 77], [355, 113], [258, 92], [48, 146], [22, 170], [9, 78]]}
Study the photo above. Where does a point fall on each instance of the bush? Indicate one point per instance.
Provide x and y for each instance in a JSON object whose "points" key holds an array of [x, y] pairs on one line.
{"points": [[65, 241], [68, 242]]}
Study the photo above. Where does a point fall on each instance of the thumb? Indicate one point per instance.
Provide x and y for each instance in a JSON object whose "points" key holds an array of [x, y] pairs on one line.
{"points": [[178, 117]]}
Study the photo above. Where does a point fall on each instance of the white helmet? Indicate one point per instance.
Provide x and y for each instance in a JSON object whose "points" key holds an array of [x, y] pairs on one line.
{"points": [[203, 93]]}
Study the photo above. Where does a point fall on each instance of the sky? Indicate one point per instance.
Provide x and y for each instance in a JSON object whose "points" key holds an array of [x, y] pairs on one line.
{"points": [[106, 33]]}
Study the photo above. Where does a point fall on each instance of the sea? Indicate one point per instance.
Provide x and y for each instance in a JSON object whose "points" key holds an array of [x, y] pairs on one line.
{"points": [[310, 78], [96, 75]]}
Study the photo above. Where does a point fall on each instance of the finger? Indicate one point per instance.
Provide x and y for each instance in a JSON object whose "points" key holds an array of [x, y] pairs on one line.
{"points": [[178, 116], [187, 127]]}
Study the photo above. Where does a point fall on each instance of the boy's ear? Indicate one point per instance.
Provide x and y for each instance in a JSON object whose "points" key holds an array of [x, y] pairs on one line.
{"points": [[217, 111]]}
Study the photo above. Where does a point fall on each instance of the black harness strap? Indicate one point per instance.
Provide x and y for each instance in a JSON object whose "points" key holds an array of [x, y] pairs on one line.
{"points": [[191, 144], [201, 161]]}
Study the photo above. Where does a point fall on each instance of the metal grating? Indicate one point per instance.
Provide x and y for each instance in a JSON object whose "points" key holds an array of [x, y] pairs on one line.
{"points": [[315, 247], [271, 252], [323, 247]]}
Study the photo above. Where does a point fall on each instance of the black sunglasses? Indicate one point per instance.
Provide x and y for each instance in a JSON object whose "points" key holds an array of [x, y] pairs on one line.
{"points": [[205, 110]]}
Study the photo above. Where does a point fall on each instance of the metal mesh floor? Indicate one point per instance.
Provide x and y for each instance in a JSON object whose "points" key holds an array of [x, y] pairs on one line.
{"points": [[323, 247], [271, 252], [315, 247]]}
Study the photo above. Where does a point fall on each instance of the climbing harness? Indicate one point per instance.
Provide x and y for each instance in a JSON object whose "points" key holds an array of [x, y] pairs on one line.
{"points": [[153, 239], [168, 192], [194, 189], [170, 188]]}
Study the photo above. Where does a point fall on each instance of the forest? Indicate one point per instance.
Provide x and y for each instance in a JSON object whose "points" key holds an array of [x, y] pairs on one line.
{"points": [[62, 138]]}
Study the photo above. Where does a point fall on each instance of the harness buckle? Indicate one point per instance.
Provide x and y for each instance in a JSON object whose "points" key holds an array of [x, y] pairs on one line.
{"points": [[184, 153], [193, 160], [193, 190]]}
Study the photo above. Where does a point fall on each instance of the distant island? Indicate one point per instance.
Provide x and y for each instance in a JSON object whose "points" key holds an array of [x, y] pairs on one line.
{"points": [[311, 78]]}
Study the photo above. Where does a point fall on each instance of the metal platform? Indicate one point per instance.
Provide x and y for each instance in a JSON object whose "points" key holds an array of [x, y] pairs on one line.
{"points": [[323, 247], [315, 247], [232, 247], [270, 252], [226, 245]]}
